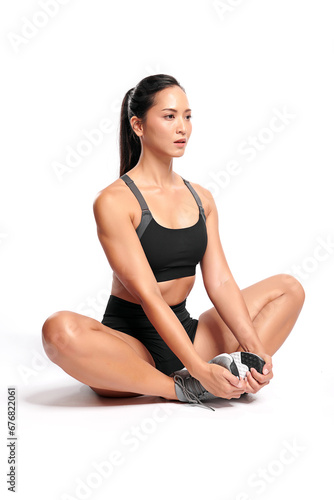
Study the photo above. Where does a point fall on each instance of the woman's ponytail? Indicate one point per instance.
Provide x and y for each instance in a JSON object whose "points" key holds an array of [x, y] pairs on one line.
{"points": [[137, 101], [129, 142]]}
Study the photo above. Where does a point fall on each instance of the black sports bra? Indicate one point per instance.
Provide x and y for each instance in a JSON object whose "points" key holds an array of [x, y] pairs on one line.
{"points": [[171, 253]]}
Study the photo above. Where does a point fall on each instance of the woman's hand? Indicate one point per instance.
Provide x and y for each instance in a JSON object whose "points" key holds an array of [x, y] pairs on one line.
{"points": [[255, 380], [220, 382]]}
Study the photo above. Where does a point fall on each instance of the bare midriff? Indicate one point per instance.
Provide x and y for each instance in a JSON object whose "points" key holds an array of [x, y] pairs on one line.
{"points": [[172, 291]]}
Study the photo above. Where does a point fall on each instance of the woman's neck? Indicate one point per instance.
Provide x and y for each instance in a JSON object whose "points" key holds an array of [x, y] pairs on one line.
{"points": [[153, 169]]}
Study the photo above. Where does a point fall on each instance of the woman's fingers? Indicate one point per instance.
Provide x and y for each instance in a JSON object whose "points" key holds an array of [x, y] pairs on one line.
{"points": [[235, 386], [239, 385], [253, 381], [261, 378], [233, 380], [222, 383], [268, 364], [249, 384]]}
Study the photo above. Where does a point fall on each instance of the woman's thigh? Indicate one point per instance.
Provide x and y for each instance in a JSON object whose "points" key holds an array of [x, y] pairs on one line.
{"points": [[213, 335], [68, 327], [73, 333]]}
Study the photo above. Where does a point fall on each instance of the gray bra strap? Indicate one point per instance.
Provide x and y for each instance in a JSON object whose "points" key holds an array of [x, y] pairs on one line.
{"points": [[146, 214], [197, 198], [135, 191]]}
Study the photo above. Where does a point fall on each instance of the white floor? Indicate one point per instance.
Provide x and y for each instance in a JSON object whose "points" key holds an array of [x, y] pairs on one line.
{"points": [[73, 444]]}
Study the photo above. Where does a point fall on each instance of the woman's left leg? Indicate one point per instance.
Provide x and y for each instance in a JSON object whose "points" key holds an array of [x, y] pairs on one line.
{"points": [[274, 305]]}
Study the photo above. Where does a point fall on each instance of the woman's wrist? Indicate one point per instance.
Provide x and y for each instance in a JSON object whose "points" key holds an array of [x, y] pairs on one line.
{"points": [[251, 343], [197, 367]]}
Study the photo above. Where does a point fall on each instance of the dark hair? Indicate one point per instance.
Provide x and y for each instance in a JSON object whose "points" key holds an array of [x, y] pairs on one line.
{"points": [[137, 101]]}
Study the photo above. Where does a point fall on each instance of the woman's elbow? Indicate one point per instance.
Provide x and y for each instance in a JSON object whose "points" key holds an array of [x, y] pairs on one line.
{"points": [[149, 295], [144, 291]]}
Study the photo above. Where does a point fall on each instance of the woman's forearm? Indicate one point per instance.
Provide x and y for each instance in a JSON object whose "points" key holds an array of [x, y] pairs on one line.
{"points": [[231, 307], [172, 332]]}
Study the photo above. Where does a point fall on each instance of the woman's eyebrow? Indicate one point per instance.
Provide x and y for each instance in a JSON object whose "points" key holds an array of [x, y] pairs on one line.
{"points": [[175, 110]]}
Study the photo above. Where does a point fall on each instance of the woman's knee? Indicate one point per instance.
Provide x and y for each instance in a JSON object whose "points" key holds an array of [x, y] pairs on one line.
{"points": [[294, 287], [60, 332]]}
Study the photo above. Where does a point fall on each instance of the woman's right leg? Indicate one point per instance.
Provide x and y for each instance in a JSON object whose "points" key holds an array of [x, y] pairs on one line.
{"points": [[112, 363]]}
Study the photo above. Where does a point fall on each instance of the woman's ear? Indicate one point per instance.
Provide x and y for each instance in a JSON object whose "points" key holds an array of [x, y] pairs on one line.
{"points": [[137, 126]]}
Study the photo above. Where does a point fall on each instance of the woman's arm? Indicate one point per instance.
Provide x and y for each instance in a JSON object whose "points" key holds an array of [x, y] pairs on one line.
{"points": [[222, 289], [128, 260], [227, 298]]}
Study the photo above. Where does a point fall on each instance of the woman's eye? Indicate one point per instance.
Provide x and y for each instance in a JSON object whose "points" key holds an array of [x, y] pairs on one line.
{"points": [[171, 116]]}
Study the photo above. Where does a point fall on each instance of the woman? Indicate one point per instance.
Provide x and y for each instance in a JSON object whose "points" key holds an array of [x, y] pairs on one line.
{"points": [[154, 227]]}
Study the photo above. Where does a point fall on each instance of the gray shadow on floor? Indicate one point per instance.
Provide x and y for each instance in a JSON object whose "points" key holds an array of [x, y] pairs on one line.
{"points": [[84, 397]]}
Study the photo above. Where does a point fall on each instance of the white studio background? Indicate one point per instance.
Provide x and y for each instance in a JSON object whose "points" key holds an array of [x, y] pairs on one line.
{"points": [[259, 79]]}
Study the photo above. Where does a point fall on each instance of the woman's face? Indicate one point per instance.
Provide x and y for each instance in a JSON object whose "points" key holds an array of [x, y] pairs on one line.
{"points": [[168, 121]]}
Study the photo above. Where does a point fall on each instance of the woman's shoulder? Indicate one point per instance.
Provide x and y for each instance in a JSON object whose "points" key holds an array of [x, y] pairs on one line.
{"points": [[115, 197], [205, 196]]}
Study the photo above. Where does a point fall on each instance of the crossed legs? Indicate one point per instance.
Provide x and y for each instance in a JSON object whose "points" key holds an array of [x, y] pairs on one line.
{"points": [[115, 364]]}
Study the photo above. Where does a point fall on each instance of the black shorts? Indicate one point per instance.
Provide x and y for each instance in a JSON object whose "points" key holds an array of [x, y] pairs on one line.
{"points": [[130, 318]]}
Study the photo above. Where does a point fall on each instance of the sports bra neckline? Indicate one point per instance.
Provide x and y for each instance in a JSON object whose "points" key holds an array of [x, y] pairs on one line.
{"points": [[177, 228], [154, 220]]}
